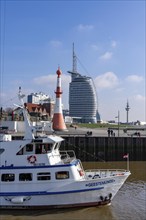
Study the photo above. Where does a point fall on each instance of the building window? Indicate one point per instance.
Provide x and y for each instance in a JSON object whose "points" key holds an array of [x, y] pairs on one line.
{"points": [[62, 175], [44, 176], [56, 146], [8, 177], [25, 176]]}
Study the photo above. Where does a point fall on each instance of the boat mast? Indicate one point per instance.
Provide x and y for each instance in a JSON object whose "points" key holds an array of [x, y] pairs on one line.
{"points": [[28, 127]]}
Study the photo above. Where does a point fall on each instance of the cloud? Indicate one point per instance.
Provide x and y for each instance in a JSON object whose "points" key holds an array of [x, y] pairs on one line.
{"points": [[55, 43], [107, 80], [140, 98], [134, 78], [45, 79], [3, 95], [51, 80], [113, 44], [82, 27], [94, 47], [106, 56]]}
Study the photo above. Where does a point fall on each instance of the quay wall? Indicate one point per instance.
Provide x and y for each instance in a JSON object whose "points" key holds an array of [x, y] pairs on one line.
{"points": [[93, 148]]}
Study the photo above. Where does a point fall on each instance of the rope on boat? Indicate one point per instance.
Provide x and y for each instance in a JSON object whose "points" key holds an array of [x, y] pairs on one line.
{"points": [[87, 153]]}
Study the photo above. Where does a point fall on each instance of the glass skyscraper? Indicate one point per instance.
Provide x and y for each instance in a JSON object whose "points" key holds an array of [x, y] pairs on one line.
{"points": [[83, 99], [82, 96]]}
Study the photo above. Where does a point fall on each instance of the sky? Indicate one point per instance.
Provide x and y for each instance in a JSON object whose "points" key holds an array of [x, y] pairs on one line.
{"points": [[110, 44]]}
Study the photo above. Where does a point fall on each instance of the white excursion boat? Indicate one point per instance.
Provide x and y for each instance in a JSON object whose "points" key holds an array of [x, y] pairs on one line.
{"points": [[34, 173]]}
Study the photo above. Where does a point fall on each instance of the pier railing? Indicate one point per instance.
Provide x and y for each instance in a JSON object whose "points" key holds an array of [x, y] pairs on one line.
{"points": [[100, 173]]}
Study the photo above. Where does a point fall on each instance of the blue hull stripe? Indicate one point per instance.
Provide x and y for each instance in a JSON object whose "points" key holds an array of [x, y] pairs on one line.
{"points": [[36, 167], [46, 193], [32, 167]]}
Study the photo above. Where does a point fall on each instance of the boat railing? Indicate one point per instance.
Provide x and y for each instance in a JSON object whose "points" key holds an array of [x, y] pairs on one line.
{"points": [[100, 173], [67, 156]]}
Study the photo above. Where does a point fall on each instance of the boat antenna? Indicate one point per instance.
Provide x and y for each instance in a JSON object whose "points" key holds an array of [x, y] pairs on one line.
{"points": [[28, 127]]}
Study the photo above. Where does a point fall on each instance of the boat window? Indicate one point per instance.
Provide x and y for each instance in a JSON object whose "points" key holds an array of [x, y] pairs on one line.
{"points": [[43, 148], [20, 152], [62, 175], [2, 150], [56, 146], [47, 147], [8, 177], [38, 149], [29, 147], [44, 176], [25, 176]]}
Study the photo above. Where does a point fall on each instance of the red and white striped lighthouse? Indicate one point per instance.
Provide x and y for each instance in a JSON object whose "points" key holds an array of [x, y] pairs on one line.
{"points": [[58, 120]]}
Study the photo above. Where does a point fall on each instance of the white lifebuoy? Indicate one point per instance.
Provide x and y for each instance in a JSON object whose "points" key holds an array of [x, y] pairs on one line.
{"points": [[32, 159]]}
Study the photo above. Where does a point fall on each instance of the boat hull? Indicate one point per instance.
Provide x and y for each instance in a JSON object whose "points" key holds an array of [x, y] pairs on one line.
{"points": [[82, 194], [61, 206]]}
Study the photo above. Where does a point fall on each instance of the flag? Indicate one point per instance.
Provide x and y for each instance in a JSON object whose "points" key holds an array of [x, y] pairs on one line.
{"points": [[125, 156]]}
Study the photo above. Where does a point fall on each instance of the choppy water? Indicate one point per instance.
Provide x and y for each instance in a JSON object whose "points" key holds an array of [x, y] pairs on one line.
{"points": [[128, 204]]}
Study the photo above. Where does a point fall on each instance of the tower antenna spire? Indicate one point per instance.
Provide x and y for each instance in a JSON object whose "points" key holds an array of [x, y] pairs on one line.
{"points": [[127, 110], [74, 68]]}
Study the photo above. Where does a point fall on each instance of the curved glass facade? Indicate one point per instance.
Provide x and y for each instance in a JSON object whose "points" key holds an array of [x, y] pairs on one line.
{"points": [[83, 99]]}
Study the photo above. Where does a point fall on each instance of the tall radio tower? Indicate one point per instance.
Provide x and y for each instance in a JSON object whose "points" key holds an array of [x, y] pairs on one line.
{"points": [[127, 110]]}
